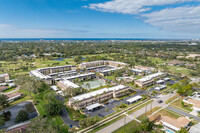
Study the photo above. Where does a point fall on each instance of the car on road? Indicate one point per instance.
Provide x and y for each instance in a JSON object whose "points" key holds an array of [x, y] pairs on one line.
{"points": [[160, 101]]}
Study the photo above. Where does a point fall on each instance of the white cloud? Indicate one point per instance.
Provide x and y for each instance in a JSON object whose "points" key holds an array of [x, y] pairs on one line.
{"points": [[132, 6], [183, 19]]}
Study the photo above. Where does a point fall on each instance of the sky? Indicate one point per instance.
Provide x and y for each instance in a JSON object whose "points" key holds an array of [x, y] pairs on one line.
{"points": [[156, 19]]}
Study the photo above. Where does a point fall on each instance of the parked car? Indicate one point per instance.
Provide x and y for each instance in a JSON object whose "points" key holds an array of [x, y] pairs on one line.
{"points": [[111, 100], [160, 101]]}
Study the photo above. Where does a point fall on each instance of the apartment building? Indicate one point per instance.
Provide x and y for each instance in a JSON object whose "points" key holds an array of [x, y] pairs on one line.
{"points": [[64, 84], [148, 80], [81, 101], [101, 63], [46, 73], [4, 77]]}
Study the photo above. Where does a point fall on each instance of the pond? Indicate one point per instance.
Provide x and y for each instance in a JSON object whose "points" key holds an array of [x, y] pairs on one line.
{"points": [[32, 113], [59, 59]]}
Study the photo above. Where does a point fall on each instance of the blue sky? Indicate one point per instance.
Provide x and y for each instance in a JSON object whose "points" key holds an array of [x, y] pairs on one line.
{"points": [[170, 19]]}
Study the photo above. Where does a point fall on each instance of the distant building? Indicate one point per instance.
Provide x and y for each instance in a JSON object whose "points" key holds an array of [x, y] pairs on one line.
{"points": [[64, 84], [176, 63], [3, 88], [148, 80], [145, 68], [81, 101], [4, 77], [14, 96], [46, 73], [194, 100], [102, 63]]}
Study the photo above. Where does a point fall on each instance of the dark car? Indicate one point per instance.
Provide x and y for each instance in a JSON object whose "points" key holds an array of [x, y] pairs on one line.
{"points": [[160, 101]]}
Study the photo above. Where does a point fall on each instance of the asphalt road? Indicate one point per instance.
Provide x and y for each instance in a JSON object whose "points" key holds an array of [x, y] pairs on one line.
{"points": [[183, 113], [120, 123]]}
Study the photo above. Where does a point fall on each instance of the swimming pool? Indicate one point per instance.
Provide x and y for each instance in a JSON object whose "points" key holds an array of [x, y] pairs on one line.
{"points": [[169, 131]]}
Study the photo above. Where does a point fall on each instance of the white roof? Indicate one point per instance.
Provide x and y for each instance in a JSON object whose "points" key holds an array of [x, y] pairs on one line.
{"points": [[54, 88], [195, 129], [160, 81], [39, 74], [69, 83], [98, 92], [149, 77], [90, 107], [170, 126], [137, 70], [3, 74], [113, 69], [157, 88], [134, 99], [78, 76], [166, 78]]}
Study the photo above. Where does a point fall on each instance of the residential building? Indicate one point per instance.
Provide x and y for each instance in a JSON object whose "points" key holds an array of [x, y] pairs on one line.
{"points": [[4, 77], [148, 80], [3, 88], [64, 84], [194, 100], [174, 124], [195, 128], [14, 96], [81, 101], [101, 63]]}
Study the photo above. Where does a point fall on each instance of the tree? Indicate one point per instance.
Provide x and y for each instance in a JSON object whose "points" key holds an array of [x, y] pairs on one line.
{"points": [[29, 84], [2, 121], [22, 116], [107, 109], [183, 130], [182, 103], [146, 124], [53, 106], [3, 101], [41, 125]]}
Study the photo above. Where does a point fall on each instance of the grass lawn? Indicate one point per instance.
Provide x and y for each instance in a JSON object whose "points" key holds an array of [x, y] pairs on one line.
{"points": [[148, 113], [128, 128], [8, 90], [166, 112], [177, 104], [171, 99], [181, 70], [74, 114], [141, 106], [156, 60], [106, 124], [110, 77]]}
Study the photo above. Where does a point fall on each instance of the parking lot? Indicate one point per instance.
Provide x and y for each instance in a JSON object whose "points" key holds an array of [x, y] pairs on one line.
{"points": [[107, 109]]}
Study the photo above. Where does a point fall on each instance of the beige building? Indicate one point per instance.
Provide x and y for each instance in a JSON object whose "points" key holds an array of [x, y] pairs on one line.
{"points": [[101, 63], [81, 101], [4, 77], [148, 80]]}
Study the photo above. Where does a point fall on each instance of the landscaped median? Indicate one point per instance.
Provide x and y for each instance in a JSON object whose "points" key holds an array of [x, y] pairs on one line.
{"points": [[113, 117]]}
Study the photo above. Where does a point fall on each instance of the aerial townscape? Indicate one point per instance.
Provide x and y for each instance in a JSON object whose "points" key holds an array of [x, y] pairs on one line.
{"points": [[99, 86], [99, 66]]}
